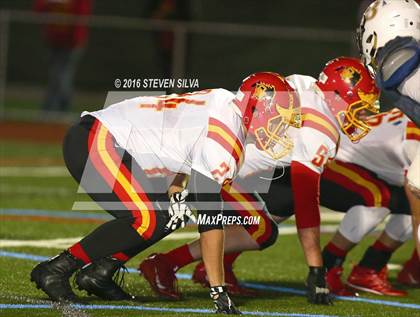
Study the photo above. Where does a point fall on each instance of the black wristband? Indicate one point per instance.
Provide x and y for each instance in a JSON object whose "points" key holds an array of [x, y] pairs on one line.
{"points": [[317, 269]]}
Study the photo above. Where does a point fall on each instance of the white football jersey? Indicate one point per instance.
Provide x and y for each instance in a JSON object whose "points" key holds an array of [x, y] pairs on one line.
{"points": [[314, 143], [176, 133], [381, 150]]}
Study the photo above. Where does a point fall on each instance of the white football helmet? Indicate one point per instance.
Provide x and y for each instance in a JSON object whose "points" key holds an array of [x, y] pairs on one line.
{"points": [[383, 21]]}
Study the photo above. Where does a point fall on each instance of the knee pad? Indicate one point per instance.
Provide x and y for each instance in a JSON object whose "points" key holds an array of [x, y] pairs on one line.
{"points": [[269, 237], [360, 220], [399, 227]]}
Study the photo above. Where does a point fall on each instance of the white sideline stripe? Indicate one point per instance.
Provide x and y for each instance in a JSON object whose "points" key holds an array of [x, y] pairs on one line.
{"points": [[33, 171], [63, 243], [330, 215], [394, 267], [66, 242]]}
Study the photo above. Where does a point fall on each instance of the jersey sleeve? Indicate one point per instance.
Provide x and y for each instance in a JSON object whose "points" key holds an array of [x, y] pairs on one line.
{"points": [[222, 151], [218, 160], [305, 187], [313, 149], [311, 152]]}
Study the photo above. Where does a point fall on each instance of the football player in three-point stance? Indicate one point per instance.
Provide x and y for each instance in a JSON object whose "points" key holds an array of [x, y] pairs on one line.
{"points": [[389, 43], [197, 140], [369, 178], [338, 100]]}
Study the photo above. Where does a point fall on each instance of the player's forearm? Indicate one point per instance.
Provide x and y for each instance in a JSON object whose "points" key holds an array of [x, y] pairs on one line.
{"points": [[211, 243], [178, 184], [310, 241]]}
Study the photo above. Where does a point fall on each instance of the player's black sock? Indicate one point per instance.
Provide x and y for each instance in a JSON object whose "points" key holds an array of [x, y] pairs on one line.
{"points": [[110, 238], [333, 256], [376, 256]]}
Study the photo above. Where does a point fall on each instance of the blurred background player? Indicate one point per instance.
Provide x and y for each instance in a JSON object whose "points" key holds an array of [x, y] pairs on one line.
{"points": [[388, 38], [178, 10], [199, 141], [65, 41], [341, 97]]}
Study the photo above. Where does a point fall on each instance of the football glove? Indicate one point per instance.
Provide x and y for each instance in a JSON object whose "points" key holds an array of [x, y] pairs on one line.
{"points": [[317, 290], [222, 302], [178, 210]]}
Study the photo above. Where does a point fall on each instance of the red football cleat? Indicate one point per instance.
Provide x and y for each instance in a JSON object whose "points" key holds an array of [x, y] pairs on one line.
{"points": [[234, 288], [410, 273], [335, 284], [369, 280], [200, 276], [161, 276]]}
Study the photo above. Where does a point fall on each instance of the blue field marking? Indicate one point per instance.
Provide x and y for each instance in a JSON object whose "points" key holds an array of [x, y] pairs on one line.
{"points": [[266, 287], [158, 309], [23, 256]]}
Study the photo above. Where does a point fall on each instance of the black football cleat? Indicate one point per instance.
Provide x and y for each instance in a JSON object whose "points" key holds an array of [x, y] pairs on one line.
{"points": [[53, 276], [98, 279]]}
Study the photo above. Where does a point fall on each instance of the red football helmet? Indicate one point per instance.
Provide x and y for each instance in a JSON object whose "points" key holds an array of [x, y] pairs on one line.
{"points": [[351, 94], [269, 105]]}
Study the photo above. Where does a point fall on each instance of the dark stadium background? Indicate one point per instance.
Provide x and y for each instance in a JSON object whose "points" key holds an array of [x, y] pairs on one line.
{"points": [[216, 60]]}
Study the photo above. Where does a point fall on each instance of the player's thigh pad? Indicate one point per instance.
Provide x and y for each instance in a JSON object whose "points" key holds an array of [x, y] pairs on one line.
{"points": [[360, 220], [399, 227]]}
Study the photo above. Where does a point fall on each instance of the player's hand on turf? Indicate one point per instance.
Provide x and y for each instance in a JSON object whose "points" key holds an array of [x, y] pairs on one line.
{"points": [[318, 292], [222, 302], [179, 212]]}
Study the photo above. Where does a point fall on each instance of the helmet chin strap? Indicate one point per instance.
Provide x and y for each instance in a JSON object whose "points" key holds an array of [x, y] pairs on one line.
{"points": [[246, 113], [277, 177]]}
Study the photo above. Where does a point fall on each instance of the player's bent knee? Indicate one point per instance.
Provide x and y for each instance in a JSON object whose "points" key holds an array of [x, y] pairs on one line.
{"points": [[399, 227], [360, 220], [272, 238], [269, 233]]}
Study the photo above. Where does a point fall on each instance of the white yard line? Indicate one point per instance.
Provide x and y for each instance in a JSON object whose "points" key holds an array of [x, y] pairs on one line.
{"points": [[63, 243]]}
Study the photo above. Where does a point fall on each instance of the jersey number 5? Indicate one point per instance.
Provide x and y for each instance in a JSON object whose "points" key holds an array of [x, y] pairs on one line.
{"points": [[321, 156]]}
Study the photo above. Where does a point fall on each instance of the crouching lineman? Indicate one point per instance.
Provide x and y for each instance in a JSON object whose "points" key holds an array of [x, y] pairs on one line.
{"points": [[369, 176], [110, 153], [338, 100], [389, 43]]}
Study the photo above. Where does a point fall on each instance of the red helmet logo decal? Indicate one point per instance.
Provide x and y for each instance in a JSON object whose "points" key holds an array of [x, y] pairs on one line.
{"points": [[350, 75]]}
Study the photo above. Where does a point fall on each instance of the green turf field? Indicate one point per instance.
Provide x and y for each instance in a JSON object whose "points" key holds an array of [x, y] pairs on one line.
{"points": [[281, 265]]}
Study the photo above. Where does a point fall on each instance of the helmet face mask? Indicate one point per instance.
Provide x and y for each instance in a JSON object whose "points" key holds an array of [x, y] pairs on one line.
{"points": [[273, 139], [352, 120], [270, 106]]}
